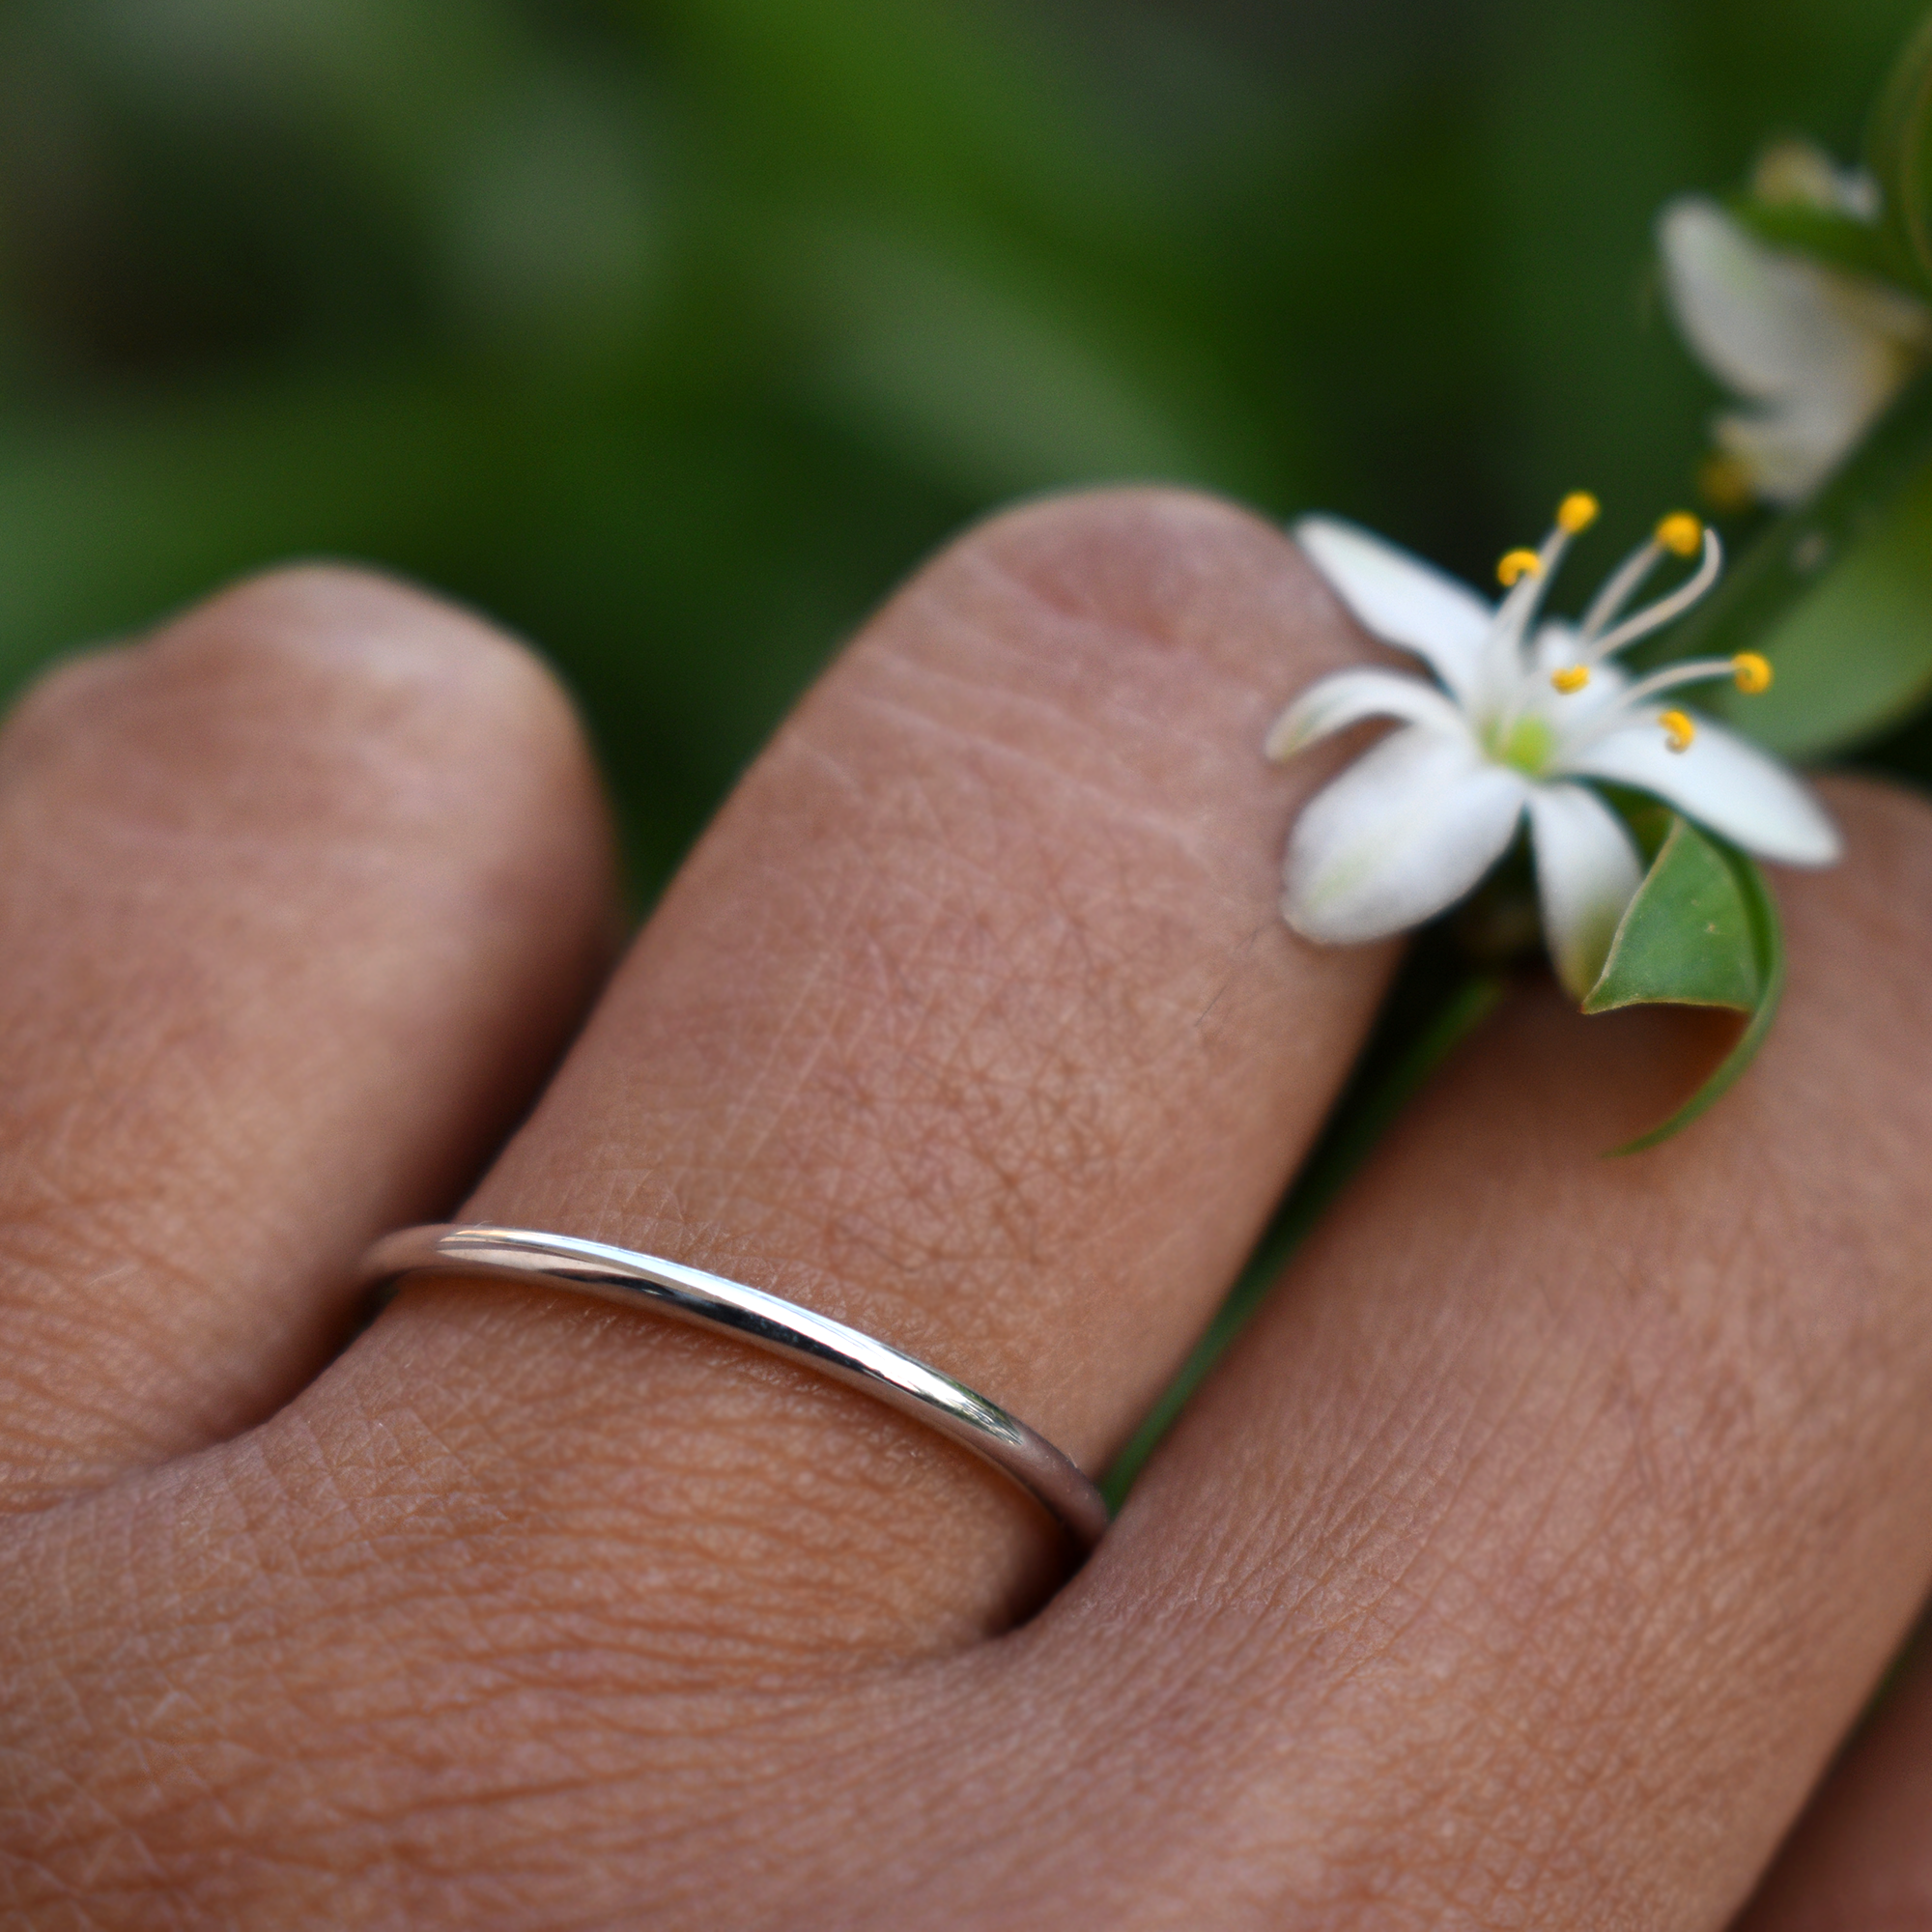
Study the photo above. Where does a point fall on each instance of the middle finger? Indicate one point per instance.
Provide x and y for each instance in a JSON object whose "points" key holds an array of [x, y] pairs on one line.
{"points": [[1541, 1538]]}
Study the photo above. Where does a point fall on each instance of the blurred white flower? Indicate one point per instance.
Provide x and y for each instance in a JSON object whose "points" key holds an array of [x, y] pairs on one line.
{"points": [[1521, 715], [1815, 350], [1796, 173]]}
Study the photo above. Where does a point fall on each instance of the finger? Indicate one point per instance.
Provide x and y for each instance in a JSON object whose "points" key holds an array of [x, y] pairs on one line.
{"points": [[1553, 1522], [296, 902], [1860, 1858], [973, 1024]]}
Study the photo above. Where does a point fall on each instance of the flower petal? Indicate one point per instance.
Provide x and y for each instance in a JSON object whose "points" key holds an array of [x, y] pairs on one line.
{"points": [[1587, 872], [1796, 172], [1401, 599], [1723, 782], [1405, 830], [1767, 323], [1788, 452], [1334, 703]]}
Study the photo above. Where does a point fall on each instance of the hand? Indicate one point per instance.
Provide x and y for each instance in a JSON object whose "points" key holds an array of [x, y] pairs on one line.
{"points": [[1523, 1565]]}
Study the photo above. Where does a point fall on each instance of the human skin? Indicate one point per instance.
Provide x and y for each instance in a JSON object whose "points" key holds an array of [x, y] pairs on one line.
{"points": [[1526, 1564]]}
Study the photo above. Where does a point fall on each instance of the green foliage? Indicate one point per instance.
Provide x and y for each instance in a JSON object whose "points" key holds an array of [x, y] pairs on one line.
{"points": [[1686, 938], [1837, 239], [1898, 149], [1837, 594], [673, 332], [1702, 931]]}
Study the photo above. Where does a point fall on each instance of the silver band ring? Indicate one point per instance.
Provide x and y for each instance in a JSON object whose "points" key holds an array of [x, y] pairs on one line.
{"points": [[632, 1280]]}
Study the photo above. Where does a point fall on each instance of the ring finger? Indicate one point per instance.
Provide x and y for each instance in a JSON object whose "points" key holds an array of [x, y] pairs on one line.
{"points": [[971, 1024]]}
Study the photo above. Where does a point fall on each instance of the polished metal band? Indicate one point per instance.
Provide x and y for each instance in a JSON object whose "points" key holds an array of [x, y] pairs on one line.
{"points": [[783, 1328]]}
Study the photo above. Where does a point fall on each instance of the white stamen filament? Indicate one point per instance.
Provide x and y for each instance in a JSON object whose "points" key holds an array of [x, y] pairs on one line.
{"points": [[1696, 671], [1619, 589], [1505, 649], [1654, 616], [1514, 615]]}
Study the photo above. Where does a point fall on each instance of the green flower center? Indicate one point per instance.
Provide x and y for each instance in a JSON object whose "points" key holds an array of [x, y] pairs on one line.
{"points": [[1526, 745]]}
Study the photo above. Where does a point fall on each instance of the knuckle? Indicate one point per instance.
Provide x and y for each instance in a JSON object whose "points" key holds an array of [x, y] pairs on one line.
{"points": [[297, 694], [351, 645], [1095, 669], [59, 703], [1168, 568]]}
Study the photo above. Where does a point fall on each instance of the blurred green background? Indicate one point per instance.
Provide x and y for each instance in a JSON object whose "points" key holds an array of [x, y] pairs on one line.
{"points": [[673, 334]]}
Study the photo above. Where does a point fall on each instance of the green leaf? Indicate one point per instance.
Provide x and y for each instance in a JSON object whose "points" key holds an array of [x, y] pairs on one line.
{"points": [[1702, 931], [1857, 246], [1686, 939], [1898, 146], [1837, 594]]}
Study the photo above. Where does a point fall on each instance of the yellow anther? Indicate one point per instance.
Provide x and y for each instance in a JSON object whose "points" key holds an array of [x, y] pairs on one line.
{"points": [[1681, 532], [1517, 564], [1575, 679], [1578, 511], [1751, 671], [1678, 730]]}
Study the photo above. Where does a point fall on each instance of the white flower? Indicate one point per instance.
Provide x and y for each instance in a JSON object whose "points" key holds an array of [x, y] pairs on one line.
{"points": [[1521, 715], [1817, 352], [1797, 173]]}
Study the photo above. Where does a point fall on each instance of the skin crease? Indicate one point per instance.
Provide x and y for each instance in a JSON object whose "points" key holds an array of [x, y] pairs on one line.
{"points": [[1525, 1564], [1862, 1859]]}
